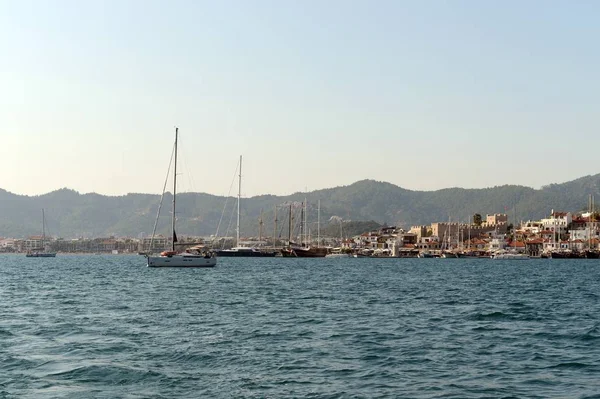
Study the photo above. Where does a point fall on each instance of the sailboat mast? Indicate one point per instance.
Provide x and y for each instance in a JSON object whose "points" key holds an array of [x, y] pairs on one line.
{"points": [[237, 234], [43, 229], [306, 221], [590, 223], [302, 225], [260, 227], [290, 227], [319, 223], [174, 193], [275, 226]]}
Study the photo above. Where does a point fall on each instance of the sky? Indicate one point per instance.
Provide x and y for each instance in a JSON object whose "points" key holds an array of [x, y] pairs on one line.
{"points": [[423, 94]]}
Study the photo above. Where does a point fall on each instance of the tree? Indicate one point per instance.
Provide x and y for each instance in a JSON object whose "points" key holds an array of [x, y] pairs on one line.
{"points": [[477, 219]]}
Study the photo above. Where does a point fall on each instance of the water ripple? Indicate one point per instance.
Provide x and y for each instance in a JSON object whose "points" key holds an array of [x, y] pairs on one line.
{"points": [[95, 326]]}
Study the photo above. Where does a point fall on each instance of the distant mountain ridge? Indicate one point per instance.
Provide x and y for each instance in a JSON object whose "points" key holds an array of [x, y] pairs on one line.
{"points": [[70, 214]]}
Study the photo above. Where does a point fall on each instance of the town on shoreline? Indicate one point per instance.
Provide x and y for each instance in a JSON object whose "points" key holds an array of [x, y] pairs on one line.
{"points": [[561, 234]]}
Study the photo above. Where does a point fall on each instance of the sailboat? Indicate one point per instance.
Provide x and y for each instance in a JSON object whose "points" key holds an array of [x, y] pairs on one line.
{"points": [[303, 250], [41, 252], [172, 258], [241, 250]]}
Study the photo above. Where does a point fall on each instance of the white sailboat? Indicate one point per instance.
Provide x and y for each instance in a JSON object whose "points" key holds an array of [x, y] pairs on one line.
{"points": [[172, 258], [41, 252]]}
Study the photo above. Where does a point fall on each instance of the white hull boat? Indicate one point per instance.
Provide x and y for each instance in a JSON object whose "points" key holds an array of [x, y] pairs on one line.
{"points": [[510, 256], [189, 258]]}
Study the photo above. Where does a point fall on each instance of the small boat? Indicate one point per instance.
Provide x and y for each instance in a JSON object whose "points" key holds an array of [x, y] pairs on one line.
{"points": [[425, 255], [365, 253], [361, 255], [447, 255], [40, 254], [337, 256], [189, 258], [510, 256]]}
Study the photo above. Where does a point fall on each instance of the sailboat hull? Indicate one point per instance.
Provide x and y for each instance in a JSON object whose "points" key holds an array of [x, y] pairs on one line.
{"points": [[40, 255], [181, 261], [303, 252], [251, 253]]}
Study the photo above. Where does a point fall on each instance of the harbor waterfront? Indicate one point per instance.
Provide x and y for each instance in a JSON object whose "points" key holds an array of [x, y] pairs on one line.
{"points": [[107, 326]]}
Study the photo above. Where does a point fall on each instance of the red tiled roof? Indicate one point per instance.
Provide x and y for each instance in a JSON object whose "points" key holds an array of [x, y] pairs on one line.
{"points": [[535, 241], [580, 220]]}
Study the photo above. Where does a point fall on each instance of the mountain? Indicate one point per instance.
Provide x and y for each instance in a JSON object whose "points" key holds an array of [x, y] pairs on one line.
{"points": [[71, 214]]}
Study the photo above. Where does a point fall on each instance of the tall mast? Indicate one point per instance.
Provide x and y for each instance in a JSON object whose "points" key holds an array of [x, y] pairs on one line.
{"points": [[470, 223], [260, 227], [305, 221], [590, 223], [174, 193], [302, 226], [237, 233], [290, 227], [319, 223], [275, 226], [43, 229]]}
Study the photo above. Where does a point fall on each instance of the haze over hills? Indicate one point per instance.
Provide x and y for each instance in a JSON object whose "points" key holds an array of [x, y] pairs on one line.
{"points": [[70, 214]]}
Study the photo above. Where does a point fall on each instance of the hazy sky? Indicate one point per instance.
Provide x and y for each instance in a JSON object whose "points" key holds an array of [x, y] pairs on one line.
{"points": [[313, 94]]}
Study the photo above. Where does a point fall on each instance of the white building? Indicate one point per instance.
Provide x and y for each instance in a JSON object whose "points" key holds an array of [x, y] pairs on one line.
{"points": [[532, 227], [497, 243], [583, 234], [7, 243], [33, 243], [558, 221], [159, 243]]}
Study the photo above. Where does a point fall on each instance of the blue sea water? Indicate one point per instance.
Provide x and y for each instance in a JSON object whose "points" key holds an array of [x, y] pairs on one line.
{"points": [[109, 327]]}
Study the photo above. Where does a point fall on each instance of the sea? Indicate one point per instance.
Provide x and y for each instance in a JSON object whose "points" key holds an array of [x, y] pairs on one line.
{"points": [[92, 326]]}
